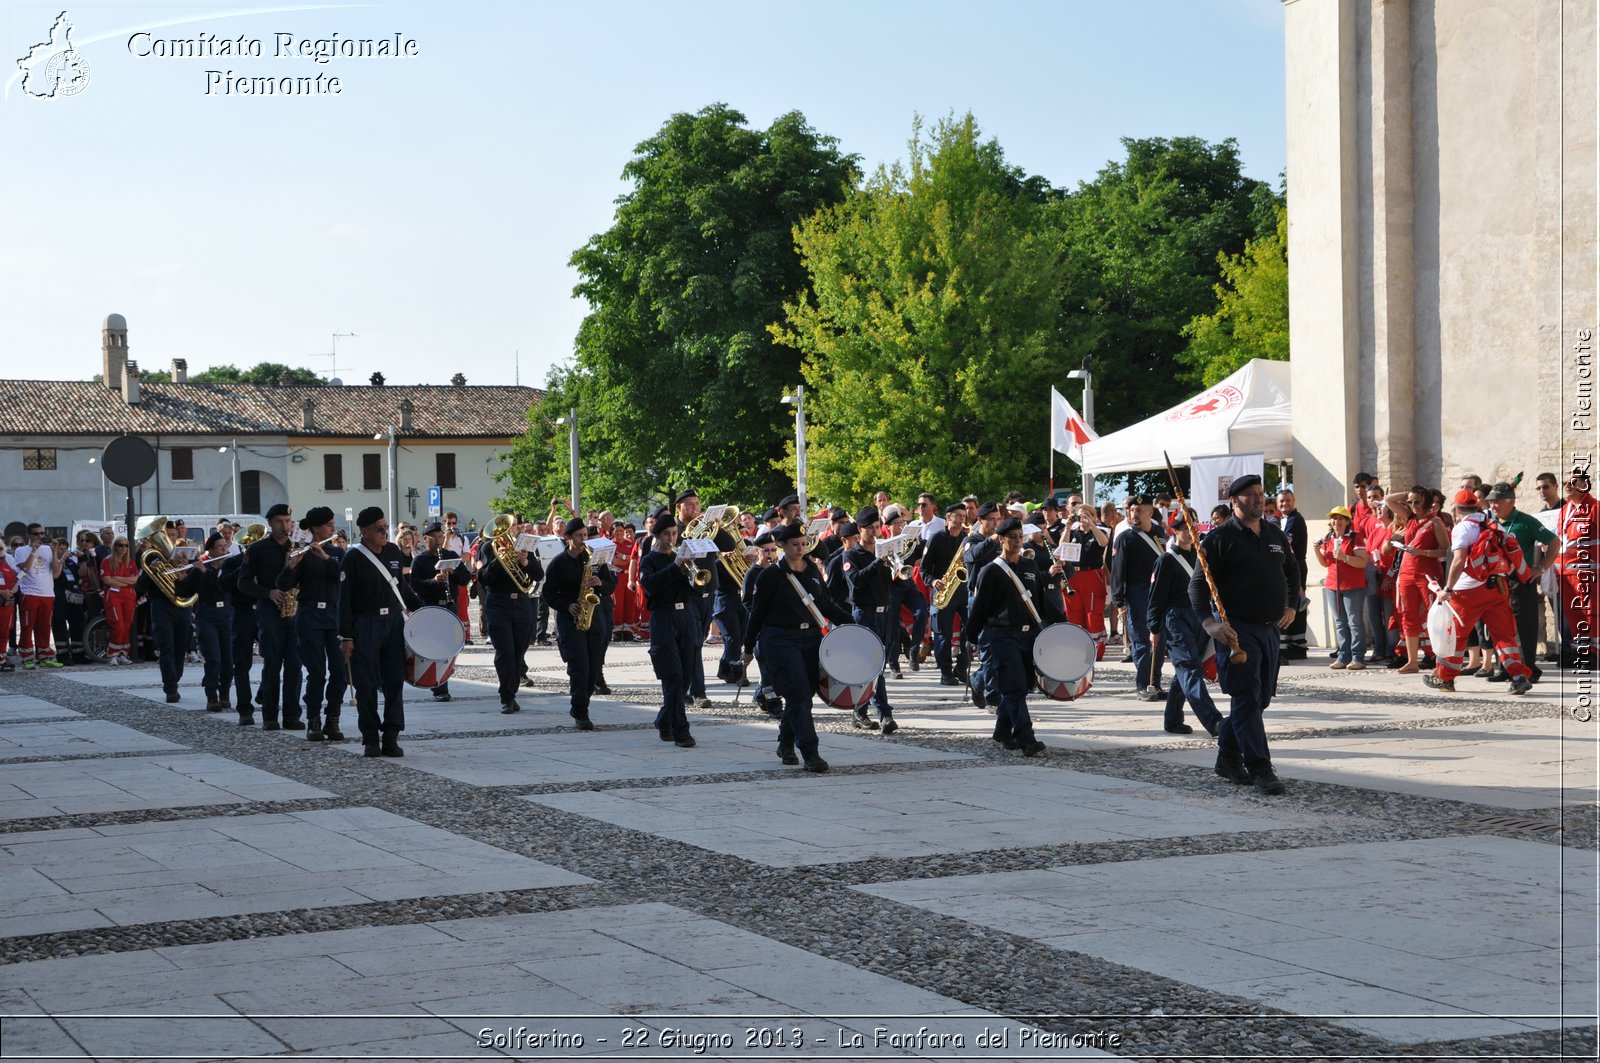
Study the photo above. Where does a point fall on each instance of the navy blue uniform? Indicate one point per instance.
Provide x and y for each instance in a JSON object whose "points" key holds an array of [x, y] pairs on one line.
{"points": [[977, 550], [870, 578], [788, 637], [1133, 566], [171, 625], [510, 612], [244, 635], [938, 552], [316, 632], [675, 639], [583, 651], [1006, 628], [424, 567], [214, 626], [373, 617], [1172, 615], [280, 645]]}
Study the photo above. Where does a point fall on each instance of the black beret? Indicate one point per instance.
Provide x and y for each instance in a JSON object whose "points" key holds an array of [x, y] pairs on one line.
{"points": [[1009, 525], [987, 508], [1241, 484], [952, 507], [1139, 500], [784, 532], [661, 523], [368, 517], [836, 514], [771, 514], [433, 529], [576, 524], [765, 537], [789, 500], [847, 529], [279, 510], [1035, 519], [685, 494], [1050, 503], [868, 515], [211, 543], [315, 517]]}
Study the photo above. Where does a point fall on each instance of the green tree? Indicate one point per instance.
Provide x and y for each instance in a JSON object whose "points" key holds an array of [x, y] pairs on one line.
{"points": [[1150, 230], [675, 377], [262, 373], [933, 330], [1252, 315]]}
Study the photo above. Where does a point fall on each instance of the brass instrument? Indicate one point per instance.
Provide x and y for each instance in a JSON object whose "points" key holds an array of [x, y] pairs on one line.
{"points": [[290, 604], [505, 551], [587, 598], [953, 578], [156, 561], [898, 565], [734, 562], [701, 527], [253, 533], [698, 577]]}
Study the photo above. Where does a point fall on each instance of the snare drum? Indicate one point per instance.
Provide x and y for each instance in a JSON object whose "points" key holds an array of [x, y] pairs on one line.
{"points": [[433, 638], [1064, 656], [851, 660]]}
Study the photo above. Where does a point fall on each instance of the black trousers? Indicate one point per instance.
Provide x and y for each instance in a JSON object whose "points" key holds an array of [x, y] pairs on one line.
{"points": [[171, 627], [244, 649], [675, 640], [789, 664], [378, 665], [280, 662], [585, 654], [214, 626], [700, 606], [318, 635], [1525, 609], [511, 623]]}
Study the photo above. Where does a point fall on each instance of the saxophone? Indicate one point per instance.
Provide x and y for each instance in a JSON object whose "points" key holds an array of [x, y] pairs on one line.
{"points": [[953, 578], [587, 598], [291, 602]]}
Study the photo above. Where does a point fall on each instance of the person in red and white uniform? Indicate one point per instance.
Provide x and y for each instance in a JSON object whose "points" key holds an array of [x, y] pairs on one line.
{"points": [[38, 567], [1578, 569], [9, 593], [1483, 561]]}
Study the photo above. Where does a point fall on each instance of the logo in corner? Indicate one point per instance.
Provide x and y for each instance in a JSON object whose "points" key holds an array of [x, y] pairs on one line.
{"points": [[54, 67]]}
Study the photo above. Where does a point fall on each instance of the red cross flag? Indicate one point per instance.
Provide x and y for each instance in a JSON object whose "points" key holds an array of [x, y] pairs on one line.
{"points": [[1068, 432]]}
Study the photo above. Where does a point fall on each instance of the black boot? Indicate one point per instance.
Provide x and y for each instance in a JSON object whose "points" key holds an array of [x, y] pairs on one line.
{"points": [[313, 726], [1231, 767], [292, 720], [269, 723], [330, 726]]}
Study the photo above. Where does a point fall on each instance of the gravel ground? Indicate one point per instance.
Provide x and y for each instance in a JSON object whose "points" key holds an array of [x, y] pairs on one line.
{"points": [[814, 908]]}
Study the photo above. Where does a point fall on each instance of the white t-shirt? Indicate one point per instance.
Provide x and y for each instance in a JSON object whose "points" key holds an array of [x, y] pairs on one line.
{"points": [[41, 582], [1462, 536], [932, 528]]}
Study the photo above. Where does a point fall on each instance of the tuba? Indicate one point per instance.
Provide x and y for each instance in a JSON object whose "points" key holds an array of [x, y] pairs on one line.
{"points": [[156, 561], [734, 561], [953, 578], [505, 552], [587, 598]]}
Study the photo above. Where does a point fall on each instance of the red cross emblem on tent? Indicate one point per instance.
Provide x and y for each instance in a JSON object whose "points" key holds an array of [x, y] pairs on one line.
{"points": [[1220, 398]]}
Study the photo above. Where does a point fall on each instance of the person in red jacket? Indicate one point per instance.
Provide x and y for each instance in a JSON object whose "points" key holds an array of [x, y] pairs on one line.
{"points": [[1344, 554], [1578, 568], [1424, 543], [1484, 561], [9, 593], [118, 574]]}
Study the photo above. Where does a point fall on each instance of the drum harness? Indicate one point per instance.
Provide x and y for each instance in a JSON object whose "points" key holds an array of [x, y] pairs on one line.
{"points": [[806, 598], [1027, 600], [393, 585]]}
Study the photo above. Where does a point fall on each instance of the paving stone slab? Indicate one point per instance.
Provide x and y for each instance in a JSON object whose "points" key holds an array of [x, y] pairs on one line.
{"points": [[27, 707], [433, 989], [71, 787], [1418, 940], [812, 820], [194, 869], [74, 738], [1519, 764], [605, 756]]}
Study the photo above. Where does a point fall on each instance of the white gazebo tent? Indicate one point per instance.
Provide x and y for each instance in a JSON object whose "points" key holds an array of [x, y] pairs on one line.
{"points": [[1245, 412]]}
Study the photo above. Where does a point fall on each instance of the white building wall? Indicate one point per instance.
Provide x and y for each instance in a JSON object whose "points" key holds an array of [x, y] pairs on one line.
{"points": [[416, 469]]}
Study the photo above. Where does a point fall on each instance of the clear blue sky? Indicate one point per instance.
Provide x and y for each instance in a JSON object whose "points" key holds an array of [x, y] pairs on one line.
{"points": [[432, 206]]}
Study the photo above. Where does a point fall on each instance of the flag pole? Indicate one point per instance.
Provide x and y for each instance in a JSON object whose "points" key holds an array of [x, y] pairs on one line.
{"points": [[1050, 444]]}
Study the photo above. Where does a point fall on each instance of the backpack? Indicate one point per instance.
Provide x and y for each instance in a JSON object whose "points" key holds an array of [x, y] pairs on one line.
{"points": [[1494, 554]]}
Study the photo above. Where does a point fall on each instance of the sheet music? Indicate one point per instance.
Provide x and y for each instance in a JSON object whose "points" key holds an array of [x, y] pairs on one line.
{"points": [[601, 550], [713, 514], [818, 527], [693, 549], [1070, 552], [447, 564], [527, 541], [548, 547], [889, 547]]}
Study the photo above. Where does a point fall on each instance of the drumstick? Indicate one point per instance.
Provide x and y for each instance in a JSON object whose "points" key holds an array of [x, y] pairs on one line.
{"points": [[1238, 656], [744, 671]]}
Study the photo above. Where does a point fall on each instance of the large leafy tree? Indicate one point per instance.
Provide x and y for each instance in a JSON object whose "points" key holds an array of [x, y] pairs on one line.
{"points": [[1251, 319], [933, 328], [1152, 230], [261, 373], [676, 378]]}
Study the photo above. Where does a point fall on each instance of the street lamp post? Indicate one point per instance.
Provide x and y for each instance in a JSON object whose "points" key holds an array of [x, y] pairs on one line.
{"points": [[237, 503], [571, 421], [1088, 419], [798, 401], [394, 488]]}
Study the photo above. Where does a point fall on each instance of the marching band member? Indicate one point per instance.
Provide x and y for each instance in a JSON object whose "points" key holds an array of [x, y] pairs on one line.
{"points": [[1133, 564], [315, 571], [1009, 608], [978, 550], [508, 610], [766, 695], [374, 595], [607, 609], [786, 623], [565, 585], [701, 600], [280, 647], [674, 629], [938, 554], [214, 626], [1172, 617], [905, 593], [171, 624], [870, 577], [244, 636], [436, 586], [846, 534]]}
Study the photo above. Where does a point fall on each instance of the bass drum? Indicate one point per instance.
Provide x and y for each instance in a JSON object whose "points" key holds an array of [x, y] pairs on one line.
{"points": [[851, 660], [433, 638], [1064, 656]]}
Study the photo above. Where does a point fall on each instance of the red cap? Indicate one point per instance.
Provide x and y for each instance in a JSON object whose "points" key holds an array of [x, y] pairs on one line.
{"points": [[1467, 497]]}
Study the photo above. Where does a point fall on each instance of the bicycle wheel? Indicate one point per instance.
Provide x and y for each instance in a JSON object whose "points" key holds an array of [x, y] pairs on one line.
{"points": [[97, 640]]}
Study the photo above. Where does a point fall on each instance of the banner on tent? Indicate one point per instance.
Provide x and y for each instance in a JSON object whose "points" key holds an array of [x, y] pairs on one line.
{"points": [[1209, 476]]}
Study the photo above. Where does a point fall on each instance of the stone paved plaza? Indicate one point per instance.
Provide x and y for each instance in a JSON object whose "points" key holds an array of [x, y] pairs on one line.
{"points": [[176, 886]]}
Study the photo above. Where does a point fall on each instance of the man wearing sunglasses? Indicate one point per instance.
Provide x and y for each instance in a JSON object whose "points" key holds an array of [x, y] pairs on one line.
{"points": [[38, 567]]}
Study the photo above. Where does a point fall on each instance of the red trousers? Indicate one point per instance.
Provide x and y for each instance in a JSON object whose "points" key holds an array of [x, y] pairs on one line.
{"points": [[1412, 600], [8, 612], [1580, 605], [37, 614], [1086, 605], [119, 618], [1494, 609]]}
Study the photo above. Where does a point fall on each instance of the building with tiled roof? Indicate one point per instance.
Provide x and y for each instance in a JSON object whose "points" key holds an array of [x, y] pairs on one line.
{"points": [[306, 446]]}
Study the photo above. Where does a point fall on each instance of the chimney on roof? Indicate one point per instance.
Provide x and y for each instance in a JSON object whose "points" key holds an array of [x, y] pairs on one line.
{"points": [[180, 371], [405, 415], [130, 383], [113, 350], [308, 415]]}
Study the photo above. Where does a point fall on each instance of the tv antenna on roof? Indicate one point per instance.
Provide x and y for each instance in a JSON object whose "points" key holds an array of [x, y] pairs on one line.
{"points": [[333, 355]]}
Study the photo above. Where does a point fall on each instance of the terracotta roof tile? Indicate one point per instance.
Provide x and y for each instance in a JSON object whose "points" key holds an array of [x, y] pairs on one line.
{"points": [[79, 407]]}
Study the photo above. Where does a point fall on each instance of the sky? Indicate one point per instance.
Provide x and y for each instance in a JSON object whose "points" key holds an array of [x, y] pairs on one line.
{"points": [[431, 206]]}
